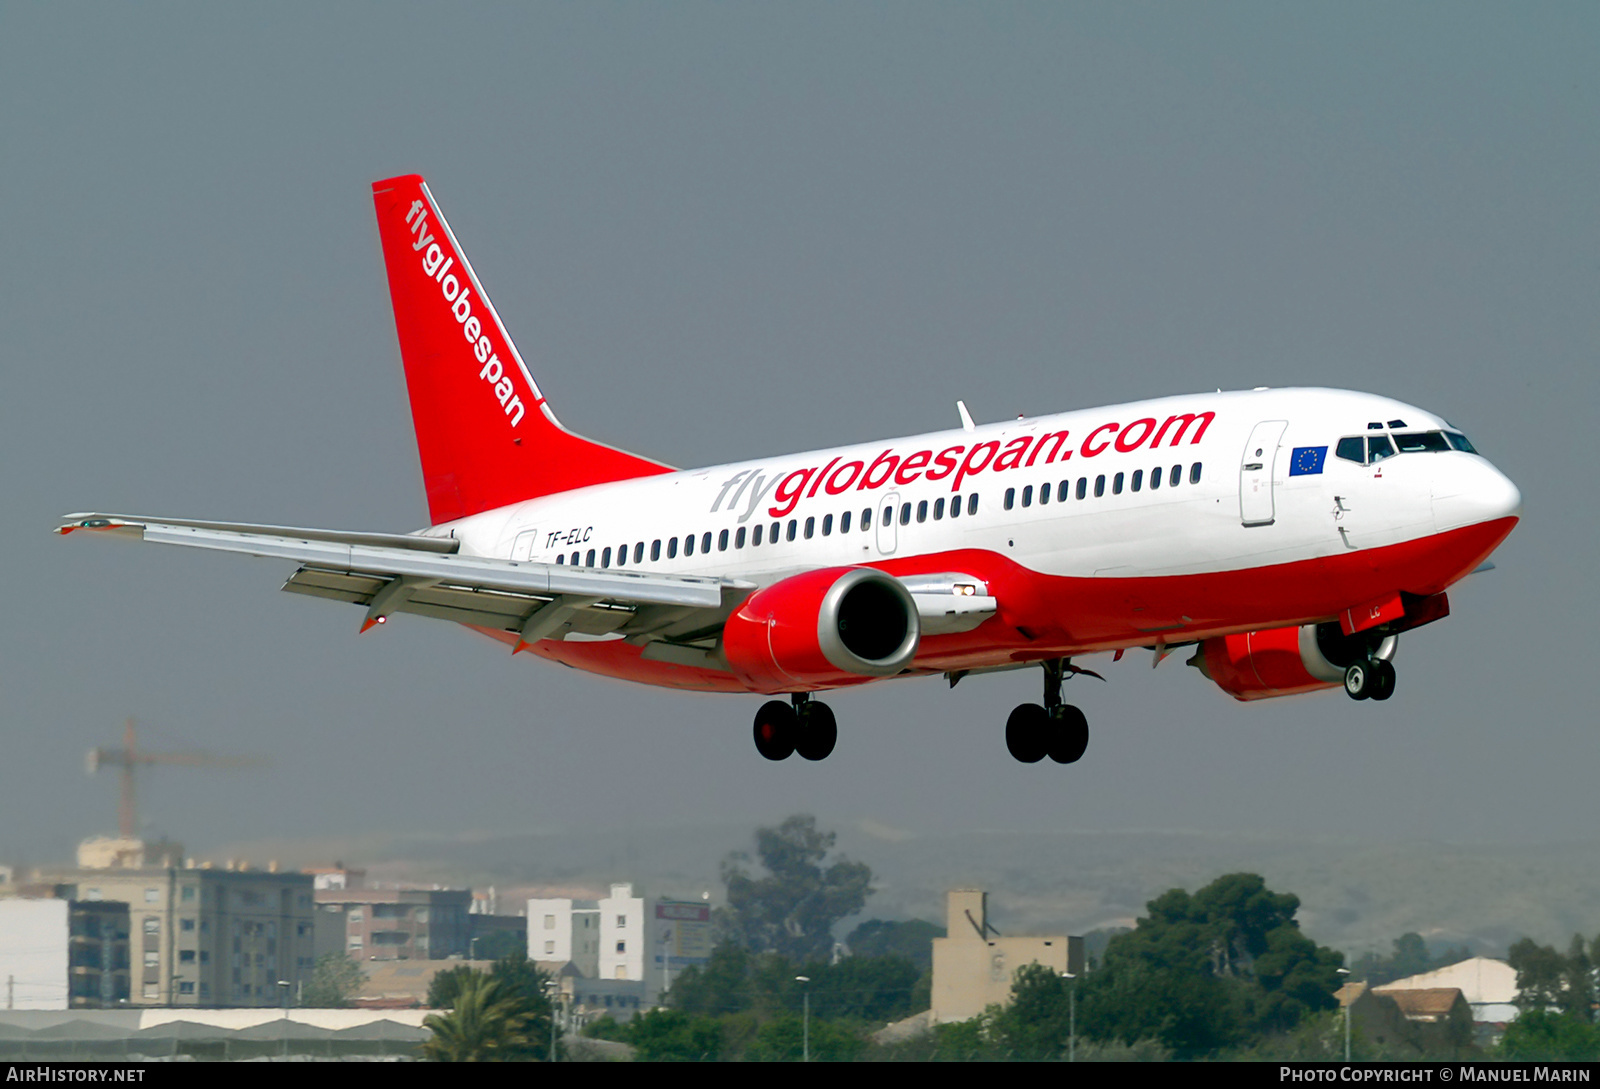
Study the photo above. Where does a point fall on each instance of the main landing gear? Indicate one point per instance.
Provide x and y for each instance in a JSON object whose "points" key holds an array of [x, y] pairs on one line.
{"points": [[807, 727], [1057, 730], [1369, 679]]}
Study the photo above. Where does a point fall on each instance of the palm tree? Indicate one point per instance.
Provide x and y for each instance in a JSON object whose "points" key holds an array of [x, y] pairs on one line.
{"points": [[488, 1024]]}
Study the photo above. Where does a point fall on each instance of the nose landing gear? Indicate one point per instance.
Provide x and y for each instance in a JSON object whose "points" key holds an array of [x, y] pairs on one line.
{"points": [[807, 727], [1056, 729]]}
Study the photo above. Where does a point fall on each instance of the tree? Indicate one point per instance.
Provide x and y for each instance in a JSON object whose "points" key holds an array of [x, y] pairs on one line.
{"points": [[518, 981], [794, 908], [1411, 957], [911, 939], [489, 1023], [333, 981], [1548, 980], [674, 1036], [445, 984], [1037, 1024], [1539, 1035], [1209, 971]]}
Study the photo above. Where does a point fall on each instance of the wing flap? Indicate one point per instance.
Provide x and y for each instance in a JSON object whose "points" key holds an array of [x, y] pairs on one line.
{"points": [[336, 552]]}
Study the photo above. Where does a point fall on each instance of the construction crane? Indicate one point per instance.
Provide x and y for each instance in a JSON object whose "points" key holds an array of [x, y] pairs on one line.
{"points": [[129, 757]]}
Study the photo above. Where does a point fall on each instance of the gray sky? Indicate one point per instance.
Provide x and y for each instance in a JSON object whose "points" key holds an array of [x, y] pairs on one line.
{"points": [[724, 231]]}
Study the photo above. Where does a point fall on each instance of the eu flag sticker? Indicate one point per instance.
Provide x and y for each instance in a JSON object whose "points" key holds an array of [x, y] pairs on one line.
{"points": [[1307, 460]]}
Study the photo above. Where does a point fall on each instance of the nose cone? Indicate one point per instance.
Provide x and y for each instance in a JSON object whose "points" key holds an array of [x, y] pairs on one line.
{"points": [[1473, 491]]}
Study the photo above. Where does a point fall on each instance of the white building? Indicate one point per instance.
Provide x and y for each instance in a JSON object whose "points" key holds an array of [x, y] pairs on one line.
{"points": [[34, 954], [621, 936], [567, 931], [1488, 985]]}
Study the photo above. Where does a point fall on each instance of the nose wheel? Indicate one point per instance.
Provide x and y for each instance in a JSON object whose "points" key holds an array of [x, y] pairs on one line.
{"points": [[1054, 729], [802, 726], [1369, 679]]}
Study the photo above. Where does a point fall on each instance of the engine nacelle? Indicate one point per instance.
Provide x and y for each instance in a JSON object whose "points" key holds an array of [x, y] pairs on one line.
{"points": [[1259, 665], [839, 625]]}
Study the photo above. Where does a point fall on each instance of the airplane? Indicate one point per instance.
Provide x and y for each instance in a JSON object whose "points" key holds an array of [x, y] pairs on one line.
{"points": [[1286, 536]]}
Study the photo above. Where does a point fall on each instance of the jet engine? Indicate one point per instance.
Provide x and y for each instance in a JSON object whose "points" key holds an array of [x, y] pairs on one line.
{"points": [[1259, 665], [839, 625]]}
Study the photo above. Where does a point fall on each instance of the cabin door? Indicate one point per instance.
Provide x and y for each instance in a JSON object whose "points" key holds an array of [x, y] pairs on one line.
{"points": [[1256, 470]]}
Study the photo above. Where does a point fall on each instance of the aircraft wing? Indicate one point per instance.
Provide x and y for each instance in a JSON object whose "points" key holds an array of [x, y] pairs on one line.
{"points": [[406, 573]]}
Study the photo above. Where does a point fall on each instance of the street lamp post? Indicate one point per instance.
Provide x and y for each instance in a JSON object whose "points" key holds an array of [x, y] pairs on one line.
{"points": [[1072, 1016], [805, 1021], [1349, 1001]]}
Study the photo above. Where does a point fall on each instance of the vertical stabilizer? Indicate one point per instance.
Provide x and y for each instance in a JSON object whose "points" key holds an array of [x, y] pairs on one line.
{"points": [[485, 433]]}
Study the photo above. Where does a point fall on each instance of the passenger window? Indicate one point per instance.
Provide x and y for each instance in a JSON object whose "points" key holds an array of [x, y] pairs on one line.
{"points": [[672, 548], [827, 525], [1063, 490], [688, 544], [905, 514], [588, 561], [1099, 485], [1027, 496], [938, 510], [1138, 480], [655, 550], [955, 507], [1352, 449], [755, 538], [1011, 498], [1083, 487], [1044, 493], [922, 511], [844, 522], [562, 559], [722, 541], [1116, 485], [1177, 476], [1378, 448], [792, 524], [811, 527], [738, 538], [1155, 477], [866, 519], [705, 542], [772, 534], [605, 558], [888, 516], [972, 503], [1194, 473], [575, 560], [638, 553]]}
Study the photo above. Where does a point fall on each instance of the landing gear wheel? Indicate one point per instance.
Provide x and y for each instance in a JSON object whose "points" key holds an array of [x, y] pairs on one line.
{"points": [[776, 728], [1028, 733], [1358, 680], [818, 731], [1069, 734], [1382, 679]]}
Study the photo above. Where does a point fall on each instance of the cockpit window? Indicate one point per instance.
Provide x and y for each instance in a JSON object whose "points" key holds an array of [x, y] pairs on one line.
{"points": [[1420, 442], [1367, 449]]}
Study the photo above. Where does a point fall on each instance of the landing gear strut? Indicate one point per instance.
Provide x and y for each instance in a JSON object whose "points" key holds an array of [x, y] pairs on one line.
{"points": [[1369, 679], [1055, 729], [802, 726]]}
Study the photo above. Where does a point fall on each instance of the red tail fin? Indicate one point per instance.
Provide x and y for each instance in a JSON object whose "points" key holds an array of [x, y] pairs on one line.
{"points": [[486, 434]]}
